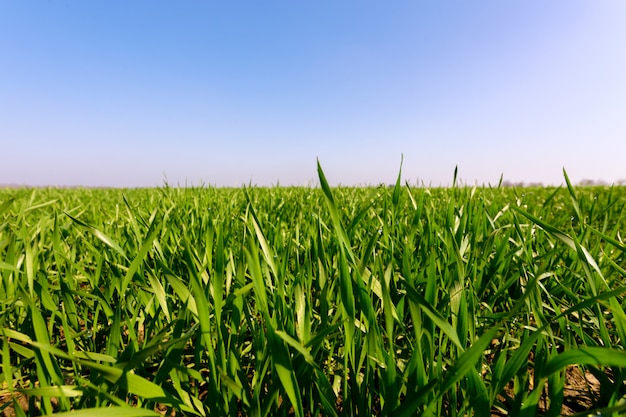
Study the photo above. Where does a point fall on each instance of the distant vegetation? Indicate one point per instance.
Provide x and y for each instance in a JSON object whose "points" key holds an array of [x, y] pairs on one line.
{"points": [[582, 183], [391, 301]]}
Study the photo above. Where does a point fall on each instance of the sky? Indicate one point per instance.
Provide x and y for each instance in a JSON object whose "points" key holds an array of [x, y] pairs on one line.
{"points": [[226, 93]]}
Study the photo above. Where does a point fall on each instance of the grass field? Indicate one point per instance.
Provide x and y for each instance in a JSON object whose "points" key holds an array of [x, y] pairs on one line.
{"points": [[391, 301]]}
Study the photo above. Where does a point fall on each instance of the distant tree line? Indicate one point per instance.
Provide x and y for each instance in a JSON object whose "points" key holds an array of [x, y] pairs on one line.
{"points": [[585, 182]]}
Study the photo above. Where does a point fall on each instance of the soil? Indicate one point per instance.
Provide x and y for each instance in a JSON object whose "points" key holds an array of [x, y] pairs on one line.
{"points": [[581, 393]]}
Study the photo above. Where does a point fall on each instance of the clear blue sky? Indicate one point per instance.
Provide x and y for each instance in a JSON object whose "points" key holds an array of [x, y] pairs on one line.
{"points": [[128, 93]]}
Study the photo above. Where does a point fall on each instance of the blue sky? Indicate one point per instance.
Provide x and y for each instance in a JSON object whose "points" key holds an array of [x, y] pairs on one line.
{"points": [[130, 93]]}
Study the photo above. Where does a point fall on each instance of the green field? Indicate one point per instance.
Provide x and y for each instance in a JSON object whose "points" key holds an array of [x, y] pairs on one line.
{"points": [[389, 301]]}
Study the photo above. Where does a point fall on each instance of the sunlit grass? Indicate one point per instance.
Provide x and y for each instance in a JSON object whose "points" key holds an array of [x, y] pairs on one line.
{"points": [[393, 301]]}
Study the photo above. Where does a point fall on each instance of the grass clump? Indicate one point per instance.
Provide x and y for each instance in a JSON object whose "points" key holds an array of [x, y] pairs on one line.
{"points": [[392, 301]]}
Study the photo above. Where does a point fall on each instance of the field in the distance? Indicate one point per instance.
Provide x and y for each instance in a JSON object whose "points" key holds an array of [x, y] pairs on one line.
{"points": [[391, 301]]}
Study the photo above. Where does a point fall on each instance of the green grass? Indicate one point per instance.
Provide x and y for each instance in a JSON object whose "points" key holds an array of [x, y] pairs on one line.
{"points": [[393, 301]]}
